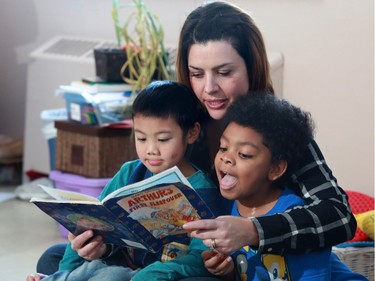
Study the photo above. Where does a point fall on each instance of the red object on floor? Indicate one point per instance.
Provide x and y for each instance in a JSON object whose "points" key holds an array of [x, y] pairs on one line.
{"points": [[33, 175], [360, 203]]}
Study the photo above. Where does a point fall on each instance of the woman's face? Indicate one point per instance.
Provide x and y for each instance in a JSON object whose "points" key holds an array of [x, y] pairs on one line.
{"points": [[218, 75]]}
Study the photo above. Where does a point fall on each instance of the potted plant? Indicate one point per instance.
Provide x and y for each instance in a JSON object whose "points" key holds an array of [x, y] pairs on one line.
{"points": [[141, 37], [140, 56]]}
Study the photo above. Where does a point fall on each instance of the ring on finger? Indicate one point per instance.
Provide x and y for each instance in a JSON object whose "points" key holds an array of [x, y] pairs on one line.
{"points": [[213, 244]]}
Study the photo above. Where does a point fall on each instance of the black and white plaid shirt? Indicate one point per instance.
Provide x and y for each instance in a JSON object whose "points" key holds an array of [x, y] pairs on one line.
{"points": [[325, 221]]}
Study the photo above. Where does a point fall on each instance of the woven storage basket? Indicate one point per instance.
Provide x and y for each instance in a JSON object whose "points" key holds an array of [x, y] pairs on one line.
{"points": [[359, 259], [92, 151]]}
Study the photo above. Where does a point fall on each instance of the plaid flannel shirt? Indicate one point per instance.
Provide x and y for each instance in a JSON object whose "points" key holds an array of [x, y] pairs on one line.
{"points": [[325, 221]]}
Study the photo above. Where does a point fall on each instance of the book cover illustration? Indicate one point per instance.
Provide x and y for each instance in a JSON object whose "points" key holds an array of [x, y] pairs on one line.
{"points": [[78, 217], [157, 214], [173, 251], [162, 211]]}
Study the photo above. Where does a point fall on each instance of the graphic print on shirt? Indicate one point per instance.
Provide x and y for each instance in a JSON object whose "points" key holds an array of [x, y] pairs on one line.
{"points": [[250, 266], [276, 267], [241, 262]]}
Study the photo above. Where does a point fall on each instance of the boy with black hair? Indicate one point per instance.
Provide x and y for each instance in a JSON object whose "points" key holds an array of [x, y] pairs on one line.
{"points": [[166, 121], [263, 141]]}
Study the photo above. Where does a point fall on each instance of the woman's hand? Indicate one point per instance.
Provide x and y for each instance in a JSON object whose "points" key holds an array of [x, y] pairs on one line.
{"points": [[218, 263], [87, 245], [35, 277], [226, 233]]}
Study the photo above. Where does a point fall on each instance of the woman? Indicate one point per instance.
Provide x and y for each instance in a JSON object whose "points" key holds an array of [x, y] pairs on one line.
{"points": [[221, 56]]}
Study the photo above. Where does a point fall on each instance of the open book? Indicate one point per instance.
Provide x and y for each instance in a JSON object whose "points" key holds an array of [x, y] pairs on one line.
{"points": [[147, 214]]}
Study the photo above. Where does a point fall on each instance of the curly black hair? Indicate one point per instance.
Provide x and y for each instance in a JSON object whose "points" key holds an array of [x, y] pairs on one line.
{"points": [[286, 129]]}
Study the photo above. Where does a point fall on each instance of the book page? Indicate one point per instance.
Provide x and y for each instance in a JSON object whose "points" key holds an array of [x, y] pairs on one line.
{"points": [[64, 195], [171, 175]]}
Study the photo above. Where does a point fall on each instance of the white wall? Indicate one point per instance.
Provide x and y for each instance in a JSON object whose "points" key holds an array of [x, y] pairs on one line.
{"points": [[328, 48]]}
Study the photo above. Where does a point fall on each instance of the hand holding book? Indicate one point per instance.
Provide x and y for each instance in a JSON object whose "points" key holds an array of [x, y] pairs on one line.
{"points": [[147, 214]]}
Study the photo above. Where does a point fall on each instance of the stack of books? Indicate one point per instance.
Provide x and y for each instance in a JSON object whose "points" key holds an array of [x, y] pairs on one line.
{"points": [[92, 101]]}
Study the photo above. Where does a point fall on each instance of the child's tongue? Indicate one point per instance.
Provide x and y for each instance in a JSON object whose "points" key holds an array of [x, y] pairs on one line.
{"points": [[228, 181]]}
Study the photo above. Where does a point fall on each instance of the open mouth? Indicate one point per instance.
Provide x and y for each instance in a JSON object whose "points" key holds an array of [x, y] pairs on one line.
{"points": [[215, 104], [227, 181]]}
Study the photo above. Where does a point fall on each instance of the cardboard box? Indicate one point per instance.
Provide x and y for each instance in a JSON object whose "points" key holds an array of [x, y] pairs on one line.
{"points": [[92, 151]]}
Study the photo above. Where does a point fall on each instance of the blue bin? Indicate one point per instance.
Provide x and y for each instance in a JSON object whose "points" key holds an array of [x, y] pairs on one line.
{"points": [[48, 118]]}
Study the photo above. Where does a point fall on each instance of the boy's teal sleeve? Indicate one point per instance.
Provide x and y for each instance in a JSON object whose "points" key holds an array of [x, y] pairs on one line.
{"points": [[70, 260], [120, 179], [190, 265]]}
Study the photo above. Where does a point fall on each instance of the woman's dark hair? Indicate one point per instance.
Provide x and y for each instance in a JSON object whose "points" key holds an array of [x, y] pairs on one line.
{"points": [[220, 21], [286, 129], [169, 99]]}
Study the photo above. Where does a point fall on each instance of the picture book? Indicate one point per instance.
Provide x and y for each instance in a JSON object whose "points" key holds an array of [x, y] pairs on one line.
{"points": [[147, 214]]}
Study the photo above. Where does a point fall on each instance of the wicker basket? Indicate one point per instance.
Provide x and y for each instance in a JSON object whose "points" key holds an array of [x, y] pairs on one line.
{"points": [[359, 259], [92, 151]]}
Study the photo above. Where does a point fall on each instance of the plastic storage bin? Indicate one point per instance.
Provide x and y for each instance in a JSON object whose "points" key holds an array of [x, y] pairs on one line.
{"points": [[76, 183], [49, 131]]}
